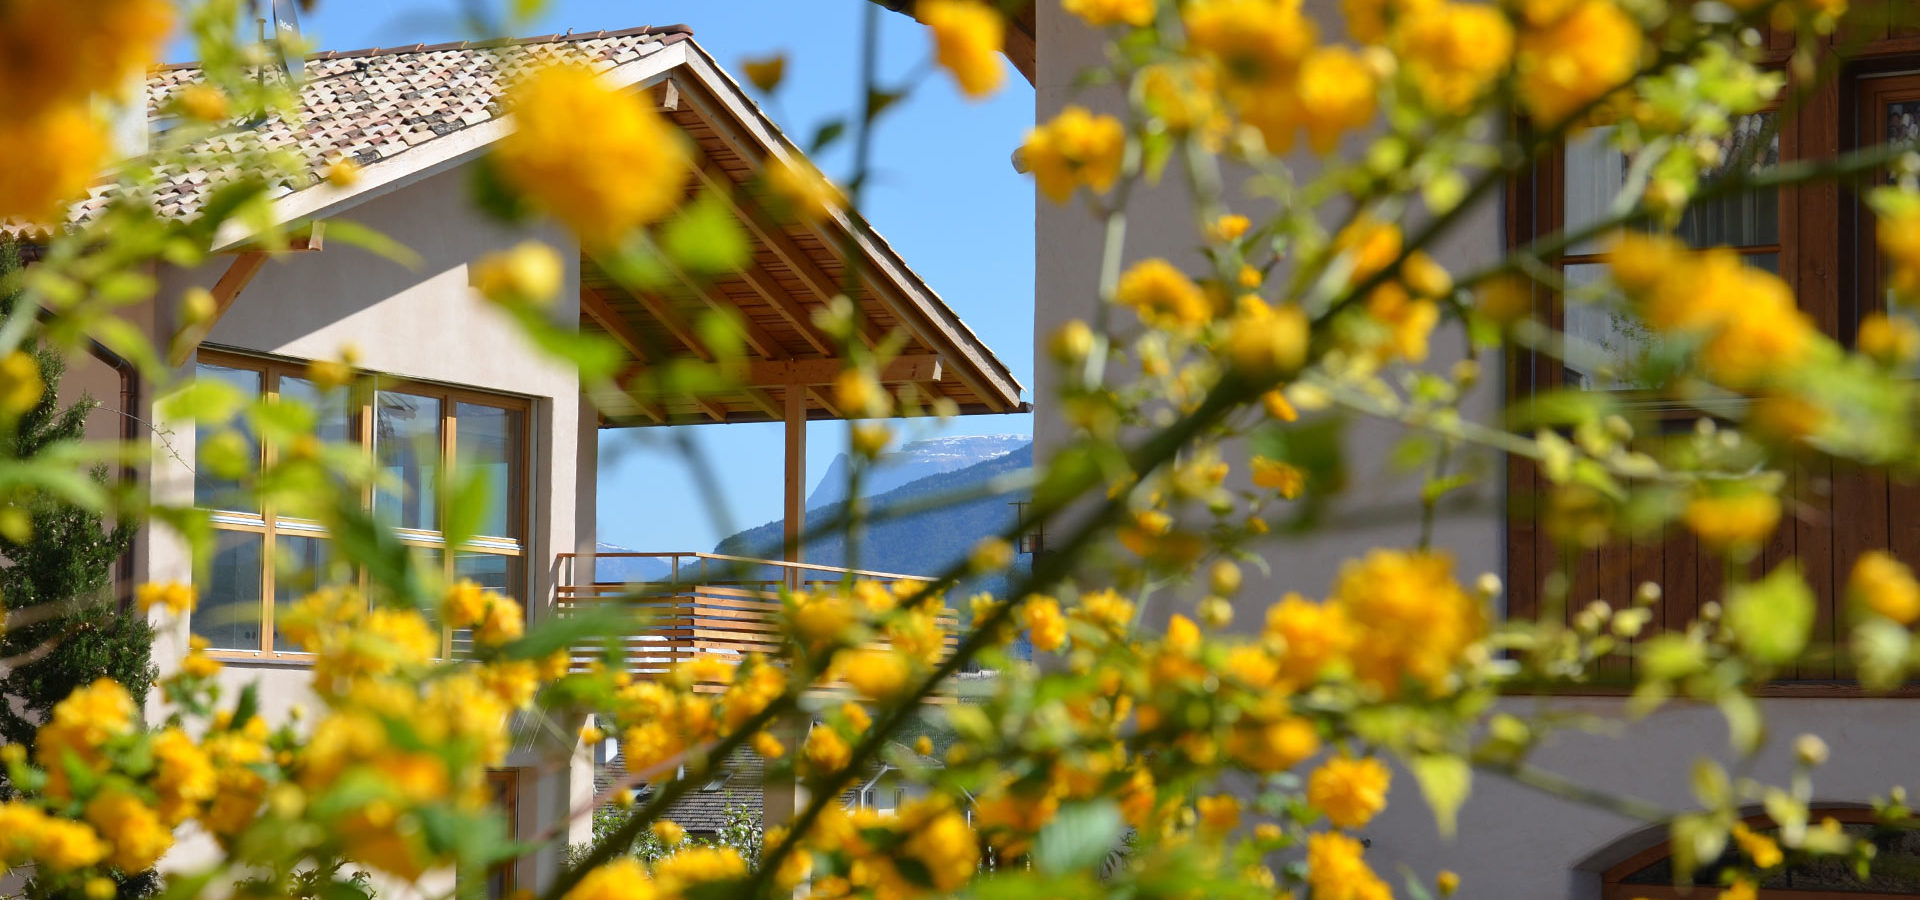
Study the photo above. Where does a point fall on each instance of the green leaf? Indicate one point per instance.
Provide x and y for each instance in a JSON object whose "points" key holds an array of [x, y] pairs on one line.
{"points": [[1880, 651], [343, 231], [826, 135], [1772, 618], [1710, 784], [1445, 780], [465, 504], [1078, 838], [577, 627], [878, 101], [706, 238], [204, 401]]}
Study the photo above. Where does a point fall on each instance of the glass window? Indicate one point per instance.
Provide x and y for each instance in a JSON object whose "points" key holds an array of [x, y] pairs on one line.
{"points": [[406, 438], [269, 559], [1604, 343], [301, 565], [210, 489], [487, 439], [229, 613]]}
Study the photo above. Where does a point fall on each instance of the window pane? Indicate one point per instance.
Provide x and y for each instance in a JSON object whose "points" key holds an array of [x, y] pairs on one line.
{"points": [[210, 490], [300, 566], [229, 612], [488, 441], [1596, 172], [1903, 122], [407, 441], [1604, 343], [334, 420]]}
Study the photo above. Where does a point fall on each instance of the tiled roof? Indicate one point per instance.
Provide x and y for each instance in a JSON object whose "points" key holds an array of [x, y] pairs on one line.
{"points": [[375, 104], [701, 811]]}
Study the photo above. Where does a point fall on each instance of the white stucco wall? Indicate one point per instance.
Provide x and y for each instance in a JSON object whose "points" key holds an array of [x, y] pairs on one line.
{"points": [[425, 323], [1512, 842]]}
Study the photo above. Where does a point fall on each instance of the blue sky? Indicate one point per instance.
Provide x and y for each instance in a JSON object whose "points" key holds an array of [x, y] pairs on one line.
{"points": [[944, 194]]}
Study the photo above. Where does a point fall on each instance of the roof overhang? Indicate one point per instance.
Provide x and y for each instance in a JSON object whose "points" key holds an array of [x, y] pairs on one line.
{"points": [[797, 269]]}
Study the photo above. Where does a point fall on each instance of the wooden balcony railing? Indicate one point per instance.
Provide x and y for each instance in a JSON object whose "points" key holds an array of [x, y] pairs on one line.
{"points": [[706, 604]]}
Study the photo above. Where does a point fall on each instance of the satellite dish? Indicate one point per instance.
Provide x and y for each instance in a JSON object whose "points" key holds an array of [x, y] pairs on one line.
{"points": [[286, 39]]}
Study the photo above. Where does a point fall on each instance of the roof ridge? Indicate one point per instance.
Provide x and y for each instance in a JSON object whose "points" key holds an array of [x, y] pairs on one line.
{"points": [[668, 34]]}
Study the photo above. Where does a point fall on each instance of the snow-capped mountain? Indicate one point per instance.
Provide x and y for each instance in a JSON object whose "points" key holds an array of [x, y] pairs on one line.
{"points": [[614, 569], [913, 462]]}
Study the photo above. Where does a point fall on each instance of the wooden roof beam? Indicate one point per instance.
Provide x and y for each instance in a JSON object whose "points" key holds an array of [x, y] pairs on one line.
{"points": [[239, 273], [615, 325], [788, 309], [817, 372]]}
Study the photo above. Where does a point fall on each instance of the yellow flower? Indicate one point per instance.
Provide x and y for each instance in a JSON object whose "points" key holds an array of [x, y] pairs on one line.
{"points": [[860, 395], [1185, 99], [1367, 245], [183, 776], [530, 273], [1075, 148], [1408, 321], [628, 170], [1046, 627], [1278, 406], [505, 621], [942, 842], [1267, 340], [1101, 13], [810, 194], [1412, 620], [1889, 340], [1764, 852], [878, 674], [1273, 745], [1741, 889], [1336, 871], [21, 386], [66, 845], [1278, 476], [1253, 43], [967, 36], [991, 554], [1219, 813], [1227, 228], [1336, 95], [203, 102], [59, 54], [1106, 609], [1571, 63], [822, 619], [1886, 586], [622, 879], [1898, 232], [176, 597], [1309, 638], [1504, 299], [1367, 20], [341, 172], [1448, 882], [138, 835], [1349, 791], [669, 832], [826, 750], [1741, 518], [1768, 335], [1453, 52], [1162, 295], [79, 727], [768, 746]]}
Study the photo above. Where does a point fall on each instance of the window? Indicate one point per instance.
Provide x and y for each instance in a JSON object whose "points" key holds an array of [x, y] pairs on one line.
{"points": [[1820, 239], [265, 558], [1649, 874]]}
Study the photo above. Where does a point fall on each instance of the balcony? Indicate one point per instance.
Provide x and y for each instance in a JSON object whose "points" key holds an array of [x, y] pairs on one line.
{"points": [[706, 604]]}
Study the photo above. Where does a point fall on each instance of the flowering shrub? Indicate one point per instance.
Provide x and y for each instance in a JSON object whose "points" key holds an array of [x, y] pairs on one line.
{"points": [[1212, 755]]}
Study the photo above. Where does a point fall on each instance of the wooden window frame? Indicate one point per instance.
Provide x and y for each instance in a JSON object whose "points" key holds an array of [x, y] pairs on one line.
{"points": [[1611, 887], [504, 786], [1826, 248], [361, 405]]}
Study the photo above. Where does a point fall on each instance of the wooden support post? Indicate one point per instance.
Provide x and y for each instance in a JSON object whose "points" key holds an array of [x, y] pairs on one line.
{"points": [[796, 489], [224, 292]]}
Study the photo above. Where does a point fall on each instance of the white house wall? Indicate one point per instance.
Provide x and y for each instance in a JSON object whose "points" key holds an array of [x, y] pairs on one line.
{"points": [[1513, 843], [426, 323]]}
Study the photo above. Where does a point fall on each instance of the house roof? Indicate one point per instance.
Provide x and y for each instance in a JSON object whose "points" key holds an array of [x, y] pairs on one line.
{"points": [[407, 113], [372, 106]]}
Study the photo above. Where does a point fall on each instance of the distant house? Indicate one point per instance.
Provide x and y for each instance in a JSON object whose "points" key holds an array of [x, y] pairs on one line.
{"points": [[452, 378]]}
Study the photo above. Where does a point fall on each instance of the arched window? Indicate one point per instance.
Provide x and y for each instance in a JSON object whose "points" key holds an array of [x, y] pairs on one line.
{"points": [[1896, 868]]}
